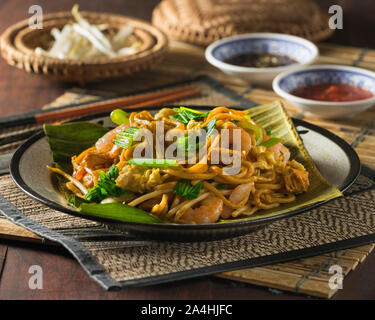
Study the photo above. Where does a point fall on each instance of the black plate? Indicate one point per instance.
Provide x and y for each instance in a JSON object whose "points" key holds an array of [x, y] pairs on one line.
{"points": [[169, 231]]}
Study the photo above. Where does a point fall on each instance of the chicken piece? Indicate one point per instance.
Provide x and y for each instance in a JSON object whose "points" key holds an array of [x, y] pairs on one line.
{"points": [[96, 160], [138, 179], [296, 178]]}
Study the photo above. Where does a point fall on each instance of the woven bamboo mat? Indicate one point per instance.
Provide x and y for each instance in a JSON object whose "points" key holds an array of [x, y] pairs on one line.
{"points": [[183, 61]]}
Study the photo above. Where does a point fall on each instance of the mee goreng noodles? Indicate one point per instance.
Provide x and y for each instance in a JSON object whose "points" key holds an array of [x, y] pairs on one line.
{"points": [[186, 166]]}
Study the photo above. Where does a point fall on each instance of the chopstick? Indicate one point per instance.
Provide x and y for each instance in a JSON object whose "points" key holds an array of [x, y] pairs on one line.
{"points": [[18, 137], [141, 100]]}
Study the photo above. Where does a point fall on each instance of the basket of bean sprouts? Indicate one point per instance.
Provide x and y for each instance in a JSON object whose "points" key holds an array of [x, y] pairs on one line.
{"points": [[83, 46]]}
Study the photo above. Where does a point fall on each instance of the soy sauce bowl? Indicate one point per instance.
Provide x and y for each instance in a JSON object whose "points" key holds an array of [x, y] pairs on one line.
{"points": [[285, 83], [299, 49]]}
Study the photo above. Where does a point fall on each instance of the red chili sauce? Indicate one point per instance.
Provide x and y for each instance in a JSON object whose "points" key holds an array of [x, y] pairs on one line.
{"points": [[332, 92]]}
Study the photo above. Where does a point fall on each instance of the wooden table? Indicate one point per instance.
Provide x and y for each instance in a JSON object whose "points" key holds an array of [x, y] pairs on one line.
{"points": [[63, 277]]}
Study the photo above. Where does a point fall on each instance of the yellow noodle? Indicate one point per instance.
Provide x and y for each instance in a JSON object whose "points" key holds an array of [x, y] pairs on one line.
{"points": [[273, 177], [148, 196], [162, 206]]}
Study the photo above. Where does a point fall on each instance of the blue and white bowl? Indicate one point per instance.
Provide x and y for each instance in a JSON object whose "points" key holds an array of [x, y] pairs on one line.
{"points": [[299, 49], [287, 82]]}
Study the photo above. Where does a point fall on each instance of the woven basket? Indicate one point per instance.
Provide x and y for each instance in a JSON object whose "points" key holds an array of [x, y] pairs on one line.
{"points": [[19, 41], [204, 21]]}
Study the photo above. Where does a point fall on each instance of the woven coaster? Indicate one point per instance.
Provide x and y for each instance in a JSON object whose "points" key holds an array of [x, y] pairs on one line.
{"points": [[117, 262]]}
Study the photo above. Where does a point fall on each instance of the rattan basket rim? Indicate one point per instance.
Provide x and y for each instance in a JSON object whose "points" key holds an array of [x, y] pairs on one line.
{"points": [[9, 35], [202, 29]]}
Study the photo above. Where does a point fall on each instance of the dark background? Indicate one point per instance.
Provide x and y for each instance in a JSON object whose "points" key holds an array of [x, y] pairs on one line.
{"points": [[20, 92]]}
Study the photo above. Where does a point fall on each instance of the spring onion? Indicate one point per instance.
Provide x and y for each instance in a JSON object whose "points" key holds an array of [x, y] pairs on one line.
{"points": [[184, 114], [210, 127], [119, 116], [257, 130], [154, 163], [125, 138], [271, 142], [187, 144]]}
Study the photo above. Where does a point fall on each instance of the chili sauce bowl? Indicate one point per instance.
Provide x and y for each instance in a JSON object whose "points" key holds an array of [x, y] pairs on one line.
{"points": [[285, 84], [301, 50]]}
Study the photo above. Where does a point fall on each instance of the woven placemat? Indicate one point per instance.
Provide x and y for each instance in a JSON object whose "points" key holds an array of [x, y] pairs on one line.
{"points": [[116, 262]]}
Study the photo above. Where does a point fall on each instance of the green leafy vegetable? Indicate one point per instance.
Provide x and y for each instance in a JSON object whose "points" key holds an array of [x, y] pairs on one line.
{"points": [[189, 143], [96, 194], [268, 132], [125, 138], [271, 142], [106, 186], [222, 187], [155, 163], [113, 172], [118, 211], [119, 116], [184, 115], [185, 189], [104, 182]]}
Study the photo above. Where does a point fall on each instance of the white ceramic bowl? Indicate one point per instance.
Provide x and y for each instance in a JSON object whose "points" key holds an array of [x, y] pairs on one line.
{"points": [[287, 82], [303, 51]]}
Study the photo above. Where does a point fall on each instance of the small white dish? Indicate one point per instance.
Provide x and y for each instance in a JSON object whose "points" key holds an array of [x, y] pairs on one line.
{"points": [[299, 49], [287, 82]]}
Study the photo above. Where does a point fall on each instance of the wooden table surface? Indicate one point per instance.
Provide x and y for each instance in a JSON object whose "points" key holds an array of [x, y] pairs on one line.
{"points": [[63, 277]]}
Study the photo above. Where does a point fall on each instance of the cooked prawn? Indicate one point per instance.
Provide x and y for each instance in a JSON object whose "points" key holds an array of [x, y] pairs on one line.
{"points": [[105, 143], [281, 152], [240, 194], [245, 137], [208, 212]]}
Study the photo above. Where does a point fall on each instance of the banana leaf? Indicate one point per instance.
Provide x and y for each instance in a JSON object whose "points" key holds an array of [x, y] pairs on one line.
{"points": [[273, 117], [69, 139]]}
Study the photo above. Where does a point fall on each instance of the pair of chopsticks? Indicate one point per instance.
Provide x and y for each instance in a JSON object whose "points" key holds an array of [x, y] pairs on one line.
{"points": [[137, 101]]}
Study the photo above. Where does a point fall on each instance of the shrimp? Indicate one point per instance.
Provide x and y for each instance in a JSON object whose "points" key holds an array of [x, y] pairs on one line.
{"points": [[209, 211], [281, 152], [105, 143], [240, 194], [245, 138]]}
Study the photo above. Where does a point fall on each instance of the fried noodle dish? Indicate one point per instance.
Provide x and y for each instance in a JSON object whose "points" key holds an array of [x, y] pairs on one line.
{"points": [[194, 189]]}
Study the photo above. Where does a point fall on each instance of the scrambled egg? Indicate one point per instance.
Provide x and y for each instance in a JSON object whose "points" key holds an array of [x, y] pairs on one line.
{"points": [[138, 179]]}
